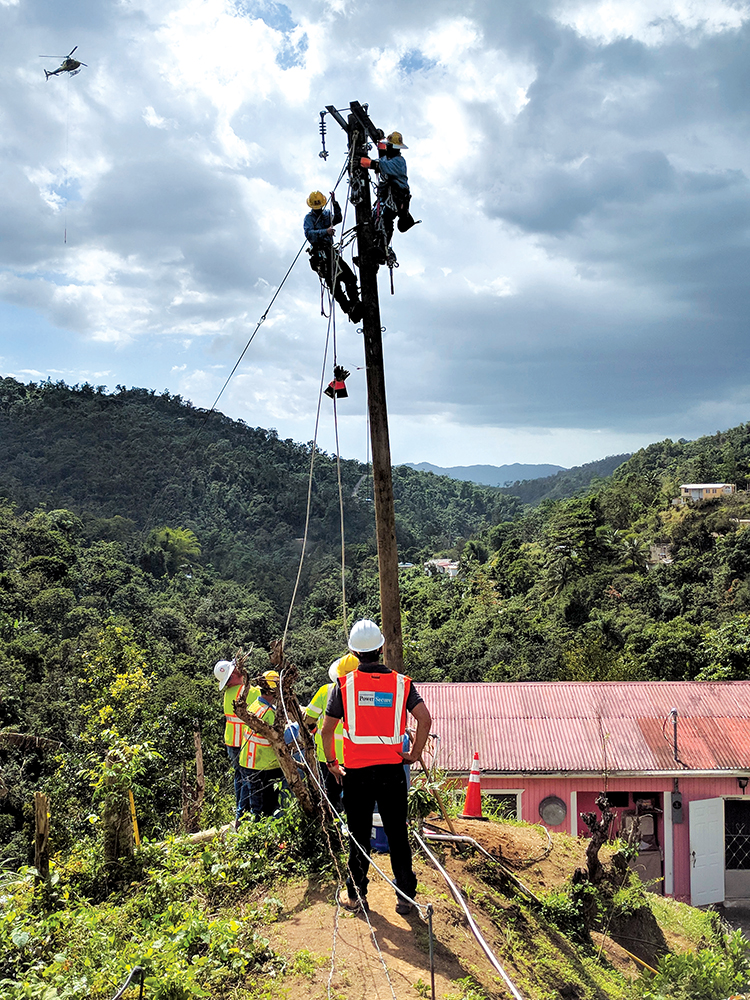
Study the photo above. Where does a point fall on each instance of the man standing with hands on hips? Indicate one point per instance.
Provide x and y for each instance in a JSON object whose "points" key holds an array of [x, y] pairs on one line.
{"points": [[373, 702]]}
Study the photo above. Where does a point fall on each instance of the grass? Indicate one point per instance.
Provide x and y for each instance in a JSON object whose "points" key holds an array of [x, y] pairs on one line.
{"points": [[699, 926]]}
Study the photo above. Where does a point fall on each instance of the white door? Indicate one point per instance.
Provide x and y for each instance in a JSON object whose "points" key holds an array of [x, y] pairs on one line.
{"points": [[706, 818]]}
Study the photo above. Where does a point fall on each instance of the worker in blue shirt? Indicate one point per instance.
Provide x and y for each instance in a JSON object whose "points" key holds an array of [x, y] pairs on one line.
{"points": [[325, 259], [394, 195]]}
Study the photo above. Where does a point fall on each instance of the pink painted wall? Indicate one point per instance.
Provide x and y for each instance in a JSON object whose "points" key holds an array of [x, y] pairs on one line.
{"points": [[538, 788]]}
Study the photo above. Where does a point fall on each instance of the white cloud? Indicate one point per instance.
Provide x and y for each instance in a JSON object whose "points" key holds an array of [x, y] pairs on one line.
{"points": [[581, 170], [653, 22]]}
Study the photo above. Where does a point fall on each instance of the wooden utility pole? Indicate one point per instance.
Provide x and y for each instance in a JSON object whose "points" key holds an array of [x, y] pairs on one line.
{"points": [[360, 130]]}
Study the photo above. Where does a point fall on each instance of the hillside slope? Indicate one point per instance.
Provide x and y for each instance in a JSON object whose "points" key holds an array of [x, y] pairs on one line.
{"points": [[157, 460], [564, 484], [251, 916], [490, 475]]}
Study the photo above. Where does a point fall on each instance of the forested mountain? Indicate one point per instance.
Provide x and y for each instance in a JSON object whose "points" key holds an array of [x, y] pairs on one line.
{"points": [[490, 475], [566, 483], [137, 547], [134, 460]]}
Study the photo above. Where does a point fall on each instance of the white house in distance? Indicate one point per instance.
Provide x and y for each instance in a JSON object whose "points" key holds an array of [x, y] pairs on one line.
{"points": [[444, 567], [691, 492]]}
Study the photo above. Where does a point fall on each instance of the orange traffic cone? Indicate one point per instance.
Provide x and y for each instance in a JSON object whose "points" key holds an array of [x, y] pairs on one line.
{"points": [[473, 803]]}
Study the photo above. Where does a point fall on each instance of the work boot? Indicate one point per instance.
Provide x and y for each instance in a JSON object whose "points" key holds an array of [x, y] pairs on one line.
{"points": [[354, 904], [405, 222], [355, 311]]}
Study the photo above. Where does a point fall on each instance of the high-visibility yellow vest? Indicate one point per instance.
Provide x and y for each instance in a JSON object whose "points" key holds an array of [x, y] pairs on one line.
{"points": [[257, 754], [233, 726], [316, 710]]}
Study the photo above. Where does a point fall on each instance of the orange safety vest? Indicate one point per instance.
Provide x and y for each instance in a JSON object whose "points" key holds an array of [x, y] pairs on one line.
{"points": [[374, 717]]}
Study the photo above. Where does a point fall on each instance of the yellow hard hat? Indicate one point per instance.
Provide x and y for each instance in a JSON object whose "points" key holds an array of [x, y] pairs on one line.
{"points": [[316, 199], [344, 665], [396, 140], [272, 678]]}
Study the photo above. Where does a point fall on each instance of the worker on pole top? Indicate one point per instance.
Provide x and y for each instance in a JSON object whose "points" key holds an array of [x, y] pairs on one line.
{"points": [[394, 195], [373, 701], [325, 260]]}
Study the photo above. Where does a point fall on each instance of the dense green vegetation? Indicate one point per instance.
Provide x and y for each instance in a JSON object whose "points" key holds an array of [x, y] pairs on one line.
{"points": [[140, 541], [134, 460], [565, 483], [178, 544]]}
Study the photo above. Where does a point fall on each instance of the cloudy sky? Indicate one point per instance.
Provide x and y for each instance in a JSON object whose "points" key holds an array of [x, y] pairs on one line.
{"points": [[578, 286]]}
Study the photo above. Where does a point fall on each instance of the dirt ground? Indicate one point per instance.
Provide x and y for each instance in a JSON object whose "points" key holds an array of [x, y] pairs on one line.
{"points": [[389, 958]]}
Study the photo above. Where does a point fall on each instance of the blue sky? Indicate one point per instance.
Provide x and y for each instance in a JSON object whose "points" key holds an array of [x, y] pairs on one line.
{"points": [[578, 286]]}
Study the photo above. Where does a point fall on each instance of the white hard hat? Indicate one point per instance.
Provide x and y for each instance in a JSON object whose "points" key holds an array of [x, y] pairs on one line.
{"points": [[365, 636], [223, 671]]}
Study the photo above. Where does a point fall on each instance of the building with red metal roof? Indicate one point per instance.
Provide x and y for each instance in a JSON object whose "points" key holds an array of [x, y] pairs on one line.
{"points": [[674, 754]]}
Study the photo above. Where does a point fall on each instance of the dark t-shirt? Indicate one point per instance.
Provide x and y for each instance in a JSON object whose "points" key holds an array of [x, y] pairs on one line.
{"points": [[335, 706]]}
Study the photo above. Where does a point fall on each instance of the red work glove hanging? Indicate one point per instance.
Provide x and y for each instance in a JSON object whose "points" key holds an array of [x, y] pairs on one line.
{"points": [[337, 388]]}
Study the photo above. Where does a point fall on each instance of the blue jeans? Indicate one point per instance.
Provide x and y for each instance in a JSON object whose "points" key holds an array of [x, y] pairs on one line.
{"points": [[242, 788]]}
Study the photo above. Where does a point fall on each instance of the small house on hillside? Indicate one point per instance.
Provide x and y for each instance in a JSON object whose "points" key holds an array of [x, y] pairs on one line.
{"points": [[692, 492], [676, 755], [441, 567]]}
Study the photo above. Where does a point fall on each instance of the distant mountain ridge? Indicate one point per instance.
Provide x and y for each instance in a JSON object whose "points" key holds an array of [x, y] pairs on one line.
{"points": [[490, 475]]}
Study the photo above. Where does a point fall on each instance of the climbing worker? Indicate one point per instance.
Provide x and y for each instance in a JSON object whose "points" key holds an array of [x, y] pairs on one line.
{"points": [[314, 713], [325, 259], [394, 195], [258, 759], [230, 681], [373, 701]]}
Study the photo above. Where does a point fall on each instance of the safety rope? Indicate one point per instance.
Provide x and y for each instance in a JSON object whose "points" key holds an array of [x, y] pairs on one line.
{"points": [[263, 317], [336, 432], [330, 335]]}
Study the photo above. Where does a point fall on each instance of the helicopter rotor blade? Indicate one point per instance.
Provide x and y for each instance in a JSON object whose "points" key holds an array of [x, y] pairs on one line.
{"points": [[71, 52], [53, 57]]}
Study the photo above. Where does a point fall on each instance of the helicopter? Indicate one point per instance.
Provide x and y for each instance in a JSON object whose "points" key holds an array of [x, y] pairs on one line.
{"points": [[68, 65]]}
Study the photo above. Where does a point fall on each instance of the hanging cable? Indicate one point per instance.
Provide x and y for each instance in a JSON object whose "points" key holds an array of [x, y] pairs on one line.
{"points": [[331, 333], [309, 490]]}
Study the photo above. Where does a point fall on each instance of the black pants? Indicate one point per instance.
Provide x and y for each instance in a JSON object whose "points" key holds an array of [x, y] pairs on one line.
{"points": [[327, 263], [363, 787], [265, 794], [331, 785]]}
